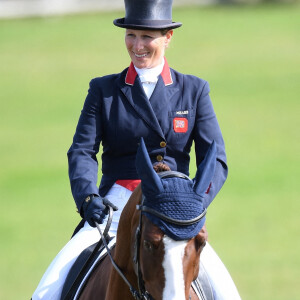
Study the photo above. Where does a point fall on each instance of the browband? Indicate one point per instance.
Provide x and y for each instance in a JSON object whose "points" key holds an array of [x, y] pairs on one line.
{"points": [[169, 174]]}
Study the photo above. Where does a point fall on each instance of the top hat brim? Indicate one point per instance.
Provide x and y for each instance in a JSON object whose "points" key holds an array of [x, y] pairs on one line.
{"points": [[149, 25]]}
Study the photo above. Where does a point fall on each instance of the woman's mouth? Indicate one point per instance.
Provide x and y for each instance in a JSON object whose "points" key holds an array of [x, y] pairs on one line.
{"points": [[140, 55]]}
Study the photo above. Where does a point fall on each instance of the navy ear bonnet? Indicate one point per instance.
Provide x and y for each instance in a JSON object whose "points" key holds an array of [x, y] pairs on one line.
{"points": [[174, 197], [177, 201]]}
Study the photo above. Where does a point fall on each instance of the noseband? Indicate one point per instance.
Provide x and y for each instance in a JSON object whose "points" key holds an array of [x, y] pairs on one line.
{"points": [[142, 294]]}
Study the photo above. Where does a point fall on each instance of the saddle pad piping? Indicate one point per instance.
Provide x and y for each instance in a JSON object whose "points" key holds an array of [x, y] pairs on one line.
{"points": [[110, 245]]}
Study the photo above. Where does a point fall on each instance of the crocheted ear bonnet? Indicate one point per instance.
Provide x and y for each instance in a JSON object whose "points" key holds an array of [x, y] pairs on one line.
{"points": [[178, 198]]}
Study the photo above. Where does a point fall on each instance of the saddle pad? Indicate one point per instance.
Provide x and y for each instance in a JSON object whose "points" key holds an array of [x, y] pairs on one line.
{"points": [[82, 268], [202, 286]]}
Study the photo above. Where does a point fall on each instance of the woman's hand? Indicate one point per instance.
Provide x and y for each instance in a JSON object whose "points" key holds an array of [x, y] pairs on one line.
{"points": [[94, 210]]}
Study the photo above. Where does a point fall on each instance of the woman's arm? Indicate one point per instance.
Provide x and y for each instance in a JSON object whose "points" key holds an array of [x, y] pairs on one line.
{"points": [[207, 129], [83, 164]]}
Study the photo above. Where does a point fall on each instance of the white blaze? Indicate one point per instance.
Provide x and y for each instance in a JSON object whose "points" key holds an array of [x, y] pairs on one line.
{"points": [[172, 264]]}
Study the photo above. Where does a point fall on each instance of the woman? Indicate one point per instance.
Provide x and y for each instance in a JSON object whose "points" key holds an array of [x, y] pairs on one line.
{"points": [[168, 109]]}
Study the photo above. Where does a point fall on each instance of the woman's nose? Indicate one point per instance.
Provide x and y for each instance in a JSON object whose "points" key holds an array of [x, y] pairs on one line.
{"points": [[138, 44]]}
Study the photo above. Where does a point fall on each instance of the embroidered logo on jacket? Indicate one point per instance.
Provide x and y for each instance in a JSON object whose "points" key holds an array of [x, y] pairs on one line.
{"points": [[180, 124], [182, 112]]}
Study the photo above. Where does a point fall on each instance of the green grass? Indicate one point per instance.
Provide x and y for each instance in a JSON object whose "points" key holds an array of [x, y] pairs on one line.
{"points": [[251, 58]]}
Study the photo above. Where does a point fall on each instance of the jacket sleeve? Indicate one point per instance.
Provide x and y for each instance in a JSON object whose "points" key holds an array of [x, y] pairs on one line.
{"points": [[207, 129], [83, 164]]}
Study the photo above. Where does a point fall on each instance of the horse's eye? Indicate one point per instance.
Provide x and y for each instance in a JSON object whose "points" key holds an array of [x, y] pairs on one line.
{"points": [[148, 246]]}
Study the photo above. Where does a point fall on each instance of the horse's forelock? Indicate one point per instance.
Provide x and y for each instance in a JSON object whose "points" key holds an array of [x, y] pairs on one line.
{"points": [[161, 167]]}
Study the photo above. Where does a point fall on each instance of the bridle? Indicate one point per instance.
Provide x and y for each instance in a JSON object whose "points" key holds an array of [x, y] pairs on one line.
{"points": [[142, 293]]}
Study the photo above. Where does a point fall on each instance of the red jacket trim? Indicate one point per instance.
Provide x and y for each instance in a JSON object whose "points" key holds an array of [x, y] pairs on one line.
{"points": [[131, 75], [165, 74]]}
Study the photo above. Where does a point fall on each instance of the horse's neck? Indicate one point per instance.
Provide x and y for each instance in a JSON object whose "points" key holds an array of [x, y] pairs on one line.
{"points": [[117, 288]]}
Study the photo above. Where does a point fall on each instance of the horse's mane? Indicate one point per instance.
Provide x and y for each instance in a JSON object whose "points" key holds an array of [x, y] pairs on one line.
{"points": [[161, 167]]}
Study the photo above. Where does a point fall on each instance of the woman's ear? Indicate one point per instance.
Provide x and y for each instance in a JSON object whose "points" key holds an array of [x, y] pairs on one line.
{"points": [[168, 36]]}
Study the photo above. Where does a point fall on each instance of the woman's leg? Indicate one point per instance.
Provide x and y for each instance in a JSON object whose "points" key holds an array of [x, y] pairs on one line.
{"points": [[119, 196], [51, 284], [222, 284]]}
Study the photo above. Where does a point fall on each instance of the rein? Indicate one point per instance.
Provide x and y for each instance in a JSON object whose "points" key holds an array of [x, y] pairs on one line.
{"points": [[136, 295], [142, 294], [134, 292]]}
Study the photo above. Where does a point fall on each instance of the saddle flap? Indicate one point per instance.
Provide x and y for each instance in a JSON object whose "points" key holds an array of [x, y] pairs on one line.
{"points": [[82, 267]]}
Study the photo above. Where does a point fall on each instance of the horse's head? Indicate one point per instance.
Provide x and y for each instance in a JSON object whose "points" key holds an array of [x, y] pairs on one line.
{"points": [[168, 267], [170, 235]]}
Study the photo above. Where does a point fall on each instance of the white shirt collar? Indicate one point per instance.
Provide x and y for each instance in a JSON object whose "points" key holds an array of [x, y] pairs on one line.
{"points": [[150, 75]]}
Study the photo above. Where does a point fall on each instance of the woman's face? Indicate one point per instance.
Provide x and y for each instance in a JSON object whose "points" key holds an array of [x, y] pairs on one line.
{"points": [[147, 47]]}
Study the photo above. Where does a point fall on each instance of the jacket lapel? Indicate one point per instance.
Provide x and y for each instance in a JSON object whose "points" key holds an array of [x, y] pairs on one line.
{"points": [[161, 99], [164, 90], [140, 103]]}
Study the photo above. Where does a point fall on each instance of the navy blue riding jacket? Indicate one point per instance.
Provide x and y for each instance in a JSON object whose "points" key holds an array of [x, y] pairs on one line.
{"points": [[117, 113]]}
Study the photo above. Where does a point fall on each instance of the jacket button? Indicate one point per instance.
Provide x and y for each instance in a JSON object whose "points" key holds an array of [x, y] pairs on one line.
{"points": [[159, 158], [163, 144]]}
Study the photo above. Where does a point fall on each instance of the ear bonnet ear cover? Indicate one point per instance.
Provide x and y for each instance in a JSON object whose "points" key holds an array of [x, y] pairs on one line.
{"points": [[177, 198]]}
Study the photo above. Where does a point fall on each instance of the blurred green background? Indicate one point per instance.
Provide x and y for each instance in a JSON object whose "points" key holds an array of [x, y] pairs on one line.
{"points": [[251, 57]]}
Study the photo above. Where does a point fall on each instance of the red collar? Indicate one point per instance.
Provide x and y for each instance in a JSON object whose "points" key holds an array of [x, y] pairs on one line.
{"points": [[165, 74]]}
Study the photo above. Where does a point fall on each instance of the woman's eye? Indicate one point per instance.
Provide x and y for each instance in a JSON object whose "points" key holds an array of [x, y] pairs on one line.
{"points": [[146, 36], [130, 35]]}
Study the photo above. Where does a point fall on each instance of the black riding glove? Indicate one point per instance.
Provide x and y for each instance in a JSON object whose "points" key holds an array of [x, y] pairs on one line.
{"points": [[94, 210]]}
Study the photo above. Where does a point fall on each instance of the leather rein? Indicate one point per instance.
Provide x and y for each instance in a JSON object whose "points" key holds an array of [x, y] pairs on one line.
{"points": [[142, 293]]}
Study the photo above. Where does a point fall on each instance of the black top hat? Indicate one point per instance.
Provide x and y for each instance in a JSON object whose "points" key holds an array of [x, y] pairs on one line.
{"points": [[147, 14]]}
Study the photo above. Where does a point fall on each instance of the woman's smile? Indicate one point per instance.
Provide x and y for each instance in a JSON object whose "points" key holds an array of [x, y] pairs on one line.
{"points": [[140, 55], [146, 47]]}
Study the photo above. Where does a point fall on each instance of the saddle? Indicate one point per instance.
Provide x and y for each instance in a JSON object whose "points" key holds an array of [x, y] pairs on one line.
{"points": [[202, 286], [83, 267], [94, 255]]}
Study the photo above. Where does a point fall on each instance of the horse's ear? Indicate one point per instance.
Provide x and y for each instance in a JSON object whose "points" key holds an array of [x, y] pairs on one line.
{"points": [[206, 170], [151, 182]]}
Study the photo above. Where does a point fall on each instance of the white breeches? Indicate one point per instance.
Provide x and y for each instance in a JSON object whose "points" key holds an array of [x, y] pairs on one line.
{"points": [[51, 284], [222, 284]]}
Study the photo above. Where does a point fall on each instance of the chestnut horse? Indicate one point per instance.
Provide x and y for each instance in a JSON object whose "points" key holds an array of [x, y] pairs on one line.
{"points": [[156, 259]]}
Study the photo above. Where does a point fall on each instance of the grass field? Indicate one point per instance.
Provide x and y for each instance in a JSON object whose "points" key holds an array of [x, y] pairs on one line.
{"points": [[251, 58]]}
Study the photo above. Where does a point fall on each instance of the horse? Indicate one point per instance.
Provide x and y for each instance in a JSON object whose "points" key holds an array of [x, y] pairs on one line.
{"points": [[157, 250]]}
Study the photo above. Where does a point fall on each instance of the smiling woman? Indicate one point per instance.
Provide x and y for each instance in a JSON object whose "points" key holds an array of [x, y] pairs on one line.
{"points": [[146, 48], [148, 100]]}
